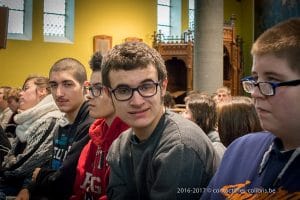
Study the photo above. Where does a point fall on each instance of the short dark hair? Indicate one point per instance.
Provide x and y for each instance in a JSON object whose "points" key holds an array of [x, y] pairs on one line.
{"points": [[281, 40], [95, 61], [203, 109], [129, 56], [73, 65]]}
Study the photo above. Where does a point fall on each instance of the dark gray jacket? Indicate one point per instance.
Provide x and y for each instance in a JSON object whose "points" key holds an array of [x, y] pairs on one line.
{"points": [[176, 162]]}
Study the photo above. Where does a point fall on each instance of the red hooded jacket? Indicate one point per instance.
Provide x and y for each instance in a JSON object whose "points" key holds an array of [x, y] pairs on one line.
{"points": [[92, 171]]}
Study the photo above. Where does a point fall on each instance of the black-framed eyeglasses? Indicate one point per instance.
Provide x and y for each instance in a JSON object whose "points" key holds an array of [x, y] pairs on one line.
{"points": [[95, 89], [124, 93], [267, 88]]}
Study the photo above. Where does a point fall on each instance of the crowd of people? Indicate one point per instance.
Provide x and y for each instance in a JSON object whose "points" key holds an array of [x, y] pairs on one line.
{"points": [[116, 137]]}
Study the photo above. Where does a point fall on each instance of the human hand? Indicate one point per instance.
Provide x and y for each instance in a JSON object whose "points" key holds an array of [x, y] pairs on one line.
{"points": [[35, 174], [23, 195]]}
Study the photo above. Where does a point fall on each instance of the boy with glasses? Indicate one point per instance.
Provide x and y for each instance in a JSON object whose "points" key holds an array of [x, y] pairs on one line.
{"points": [[265, 165], [162, 155], [92, 172]]}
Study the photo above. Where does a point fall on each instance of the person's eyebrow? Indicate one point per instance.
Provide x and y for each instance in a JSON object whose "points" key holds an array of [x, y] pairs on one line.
{"points": [[143, 81]]}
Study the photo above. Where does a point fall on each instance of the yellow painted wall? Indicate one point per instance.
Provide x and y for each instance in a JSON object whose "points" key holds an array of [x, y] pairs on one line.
{"points": [[117, 18], [243, 11], [184, 15]]}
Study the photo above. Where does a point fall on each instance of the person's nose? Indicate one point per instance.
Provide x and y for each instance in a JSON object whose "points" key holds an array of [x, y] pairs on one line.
{"points": [[136, 98], [256, 93], [59, 91]]}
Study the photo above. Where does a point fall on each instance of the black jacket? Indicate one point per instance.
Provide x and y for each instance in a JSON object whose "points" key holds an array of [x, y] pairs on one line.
{"points": [[58, 184], [4, 145]]}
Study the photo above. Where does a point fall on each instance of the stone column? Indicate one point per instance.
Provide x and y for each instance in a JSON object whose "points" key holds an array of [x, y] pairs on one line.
{"points": [[208, 45]]}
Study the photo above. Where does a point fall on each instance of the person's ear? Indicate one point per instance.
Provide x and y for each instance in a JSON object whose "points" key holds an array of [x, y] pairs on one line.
{"points": [[164, 85], [42, 92]]}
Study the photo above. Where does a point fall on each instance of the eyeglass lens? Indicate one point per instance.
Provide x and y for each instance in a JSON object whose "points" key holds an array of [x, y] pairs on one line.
{"points": [[124, 93]]}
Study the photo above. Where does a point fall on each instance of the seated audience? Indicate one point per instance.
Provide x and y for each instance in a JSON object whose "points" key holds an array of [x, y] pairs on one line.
{"points": [[201, 109], [5, 111], [55, 181], [4, 146], [237, 118], [92, 180], [265, 165], [13, 104], [34, 134], [162, 154]]}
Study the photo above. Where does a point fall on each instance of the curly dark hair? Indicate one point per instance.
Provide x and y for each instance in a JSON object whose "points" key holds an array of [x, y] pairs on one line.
{"points": [[95, 61], [129, 56]]}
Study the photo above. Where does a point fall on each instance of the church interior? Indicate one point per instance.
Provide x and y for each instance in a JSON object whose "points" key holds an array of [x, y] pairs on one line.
{"points": [[101, 24]]}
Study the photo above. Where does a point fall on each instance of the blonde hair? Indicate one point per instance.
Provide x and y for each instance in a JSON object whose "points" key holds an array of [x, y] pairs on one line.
{"points": [[224, 89], [39, 81], [14, 93], [6, 90]]}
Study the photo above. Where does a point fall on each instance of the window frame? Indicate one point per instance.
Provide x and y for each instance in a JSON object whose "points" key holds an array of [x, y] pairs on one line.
{"points": [[191, 10], [69, 25], [27, 24], [174, 19], [169, 19]]}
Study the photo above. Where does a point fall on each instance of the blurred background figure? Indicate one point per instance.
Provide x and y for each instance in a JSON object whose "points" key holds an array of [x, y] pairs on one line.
{"points": [[201, 109], [237, 118], [4, 146], [13, 104], [169, 101], [5, 111], [223, 94]]}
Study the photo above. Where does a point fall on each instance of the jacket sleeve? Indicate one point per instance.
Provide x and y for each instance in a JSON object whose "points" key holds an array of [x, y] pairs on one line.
{"points": [[117, 187], [40, 154], [178, 173], [59, 182]]}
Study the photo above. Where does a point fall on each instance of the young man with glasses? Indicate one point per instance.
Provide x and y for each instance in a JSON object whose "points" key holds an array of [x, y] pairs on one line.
{"points": [[92, 172], [162, 155], [265, 165], [54, 181]]}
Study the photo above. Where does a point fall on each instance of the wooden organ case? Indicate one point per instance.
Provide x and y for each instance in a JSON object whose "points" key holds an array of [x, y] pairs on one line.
{"points": [[178, 57]]}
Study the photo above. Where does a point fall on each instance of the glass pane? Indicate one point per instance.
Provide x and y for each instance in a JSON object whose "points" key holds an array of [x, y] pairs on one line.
{"points": [[163, 15], [191, 19], [16, 15], [164, 2], [15, 22], [54, 25], [165, 30], [55, 6], [13, 4], [54, 21], [192, 4]]}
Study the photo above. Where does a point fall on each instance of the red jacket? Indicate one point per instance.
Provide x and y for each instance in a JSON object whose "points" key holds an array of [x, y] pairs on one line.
{"points": [[92, 171]]}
